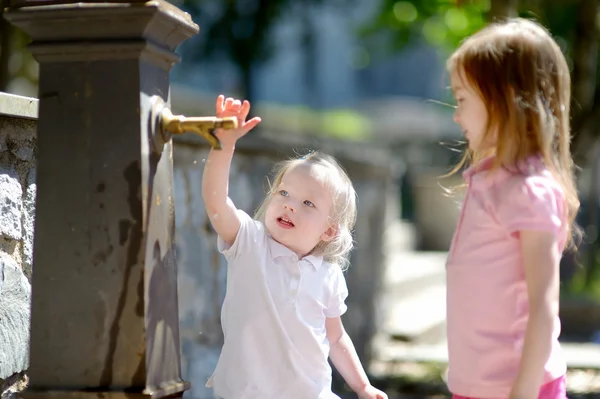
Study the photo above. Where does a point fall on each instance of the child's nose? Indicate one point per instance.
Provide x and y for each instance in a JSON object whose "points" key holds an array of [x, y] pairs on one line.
{"points": [[289, 207], [455, 117]]}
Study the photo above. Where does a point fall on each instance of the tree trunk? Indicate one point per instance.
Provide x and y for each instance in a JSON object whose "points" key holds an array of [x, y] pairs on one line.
{"points": [[593, 268], [501, 9], [585, 56], [585, 114], [584, 110]]}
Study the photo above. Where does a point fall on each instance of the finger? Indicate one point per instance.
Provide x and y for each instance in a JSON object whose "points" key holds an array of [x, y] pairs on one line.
{"points": [[245, 110], [219, 105], [235, 106], [251, 124], [228, 103]]}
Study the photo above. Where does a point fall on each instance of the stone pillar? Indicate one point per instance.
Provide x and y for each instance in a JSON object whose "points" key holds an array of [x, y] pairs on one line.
{"points": [[104, 289]]}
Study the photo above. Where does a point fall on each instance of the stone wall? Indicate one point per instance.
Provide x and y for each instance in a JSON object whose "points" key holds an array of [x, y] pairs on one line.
{"points": [[17, 211], [202, 269]]}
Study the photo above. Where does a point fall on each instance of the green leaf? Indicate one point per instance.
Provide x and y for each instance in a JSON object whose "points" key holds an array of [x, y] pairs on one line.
{"points": [[405, 12]]}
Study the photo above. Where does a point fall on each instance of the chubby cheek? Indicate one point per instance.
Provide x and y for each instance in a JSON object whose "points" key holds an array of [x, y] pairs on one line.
{"points": [[269, 211], [270, 222], [320, 223], [272, 207]]}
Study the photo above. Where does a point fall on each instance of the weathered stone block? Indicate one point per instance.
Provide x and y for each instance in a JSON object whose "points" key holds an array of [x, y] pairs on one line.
{"points": [[15, 296], [29, 221], [10, 203], [24, 153]]}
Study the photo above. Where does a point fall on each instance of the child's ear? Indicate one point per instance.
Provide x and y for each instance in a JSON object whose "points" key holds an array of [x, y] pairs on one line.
{"points": [[329, 234]]}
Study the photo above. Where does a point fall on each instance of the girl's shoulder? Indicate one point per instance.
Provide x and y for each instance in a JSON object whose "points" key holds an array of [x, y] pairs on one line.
{"points": [[532, 200], [536, 186], [331, 270]]}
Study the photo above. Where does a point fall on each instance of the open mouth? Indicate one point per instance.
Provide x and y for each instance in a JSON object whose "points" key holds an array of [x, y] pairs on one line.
{"points": [[286, 223]]}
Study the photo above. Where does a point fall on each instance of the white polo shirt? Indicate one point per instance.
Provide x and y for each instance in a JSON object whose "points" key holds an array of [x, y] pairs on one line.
{"points": [[273, 320]]}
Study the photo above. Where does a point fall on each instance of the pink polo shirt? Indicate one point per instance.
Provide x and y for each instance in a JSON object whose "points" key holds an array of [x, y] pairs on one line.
{"points": [[487, 303]]}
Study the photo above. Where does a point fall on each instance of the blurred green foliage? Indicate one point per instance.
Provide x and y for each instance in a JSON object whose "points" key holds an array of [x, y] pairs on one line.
{"points": [[445, 23]]}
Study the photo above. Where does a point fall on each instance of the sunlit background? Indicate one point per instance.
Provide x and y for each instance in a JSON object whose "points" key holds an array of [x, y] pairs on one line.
{"points": [[370, 75]]}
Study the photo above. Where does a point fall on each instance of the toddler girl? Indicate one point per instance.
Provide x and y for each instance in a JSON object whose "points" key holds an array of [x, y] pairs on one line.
{"points": [[285, 296]]}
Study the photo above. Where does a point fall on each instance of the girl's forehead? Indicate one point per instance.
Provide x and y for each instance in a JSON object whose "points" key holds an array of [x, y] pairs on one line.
{"points": [[313, 177], [460, 83], [306, 171], [458, 79]]}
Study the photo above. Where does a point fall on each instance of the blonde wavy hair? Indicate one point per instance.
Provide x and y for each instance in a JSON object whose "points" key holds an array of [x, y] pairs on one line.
{"points": [[343, 215], [523, 78]]}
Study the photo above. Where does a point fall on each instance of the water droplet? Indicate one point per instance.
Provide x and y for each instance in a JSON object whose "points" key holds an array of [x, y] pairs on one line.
{"points": [[204, 160], [215, 216], [195, 162]]}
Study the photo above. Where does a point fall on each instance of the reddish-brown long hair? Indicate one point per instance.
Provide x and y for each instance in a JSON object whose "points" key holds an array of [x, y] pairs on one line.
{"points": [[523, 79]]}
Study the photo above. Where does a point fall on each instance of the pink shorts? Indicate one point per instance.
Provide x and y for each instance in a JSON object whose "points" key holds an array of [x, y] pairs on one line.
{"points": [[556, 389]]}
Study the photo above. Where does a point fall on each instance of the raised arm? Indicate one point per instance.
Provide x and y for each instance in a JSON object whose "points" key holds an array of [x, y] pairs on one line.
{"points": [[215, 179]]}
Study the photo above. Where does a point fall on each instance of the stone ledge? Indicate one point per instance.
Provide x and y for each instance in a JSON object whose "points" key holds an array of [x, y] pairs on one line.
{"points": [[18, 106]]}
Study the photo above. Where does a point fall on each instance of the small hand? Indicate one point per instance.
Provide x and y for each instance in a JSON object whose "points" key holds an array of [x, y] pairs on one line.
{"points": [[517, 393], [370, 392], [232, 107]]}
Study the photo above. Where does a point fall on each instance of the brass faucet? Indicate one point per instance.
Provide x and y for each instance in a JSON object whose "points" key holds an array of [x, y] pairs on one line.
{"points": [[203, 126]]}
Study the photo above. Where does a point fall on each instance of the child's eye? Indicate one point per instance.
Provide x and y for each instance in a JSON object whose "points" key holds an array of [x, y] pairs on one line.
{"points": [[283, 193], [308, 203]]}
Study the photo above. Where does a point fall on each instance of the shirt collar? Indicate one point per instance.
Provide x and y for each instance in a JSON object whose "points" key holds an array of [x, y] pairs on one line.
{"points": [[279, 250], [482, 171]]}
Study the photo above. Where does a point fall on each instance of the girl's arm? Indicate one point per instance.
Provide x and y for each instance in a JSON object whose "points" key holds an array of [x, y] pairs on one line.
{"points": [[345, 359], [541, 258], [215, 178], [215, 188]]}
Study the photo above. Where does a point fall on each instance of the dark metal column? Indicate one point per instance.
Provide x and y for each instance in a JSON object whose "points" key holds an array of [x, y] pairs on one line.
{"points": [[104, 307]]}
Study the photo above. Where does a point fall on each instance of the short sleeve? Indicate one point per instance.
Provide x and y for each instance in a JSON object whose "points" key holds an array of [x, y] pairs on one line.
{"points": [[245, 240], [339, 292], [532, 203]]}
